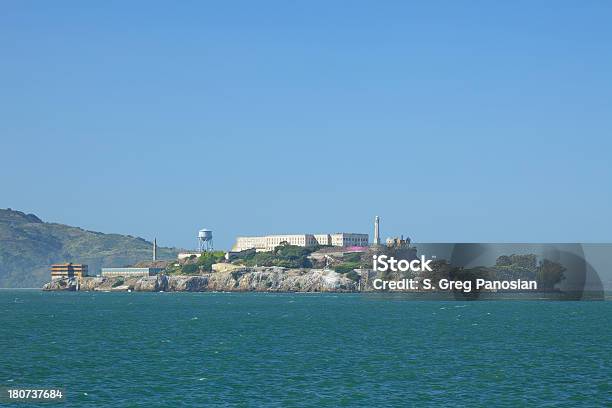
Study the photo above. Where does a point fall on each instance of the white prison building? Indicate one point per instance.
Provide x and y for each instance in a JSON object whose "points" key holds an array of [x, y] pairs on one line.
{"points": [[269, 242]]}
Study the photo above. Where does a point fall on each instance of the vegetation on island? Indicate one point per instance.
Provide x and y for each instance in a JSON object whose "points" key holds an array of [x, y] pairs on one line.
{"points": [[547, 273], [507, 267], [349, 263], [195, 265], [347, 267], [207, 259], [284, 255]]}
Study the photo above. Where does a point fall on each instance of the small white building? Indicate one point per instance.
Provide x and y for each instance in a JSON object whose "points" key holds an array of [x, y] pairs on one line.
{"points": [[185, 255]]}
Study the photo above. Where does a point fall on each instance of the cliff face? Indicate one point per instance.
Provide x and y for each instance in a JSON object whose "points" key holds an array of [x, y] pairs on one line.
{"points": [[261, 279]]}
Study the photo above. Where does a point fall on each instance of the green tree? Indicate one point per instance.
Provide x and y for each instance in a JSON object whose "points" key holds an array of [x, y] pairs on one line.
{"points": [[352, 275], [549, 274], [207, 259], [189, 269], [347, 267], [288, 256]]}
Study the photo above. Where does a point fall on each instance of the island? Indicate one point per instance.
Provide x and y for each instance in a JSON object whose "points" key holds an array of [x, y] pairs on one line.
{"points": [[290, 268]]}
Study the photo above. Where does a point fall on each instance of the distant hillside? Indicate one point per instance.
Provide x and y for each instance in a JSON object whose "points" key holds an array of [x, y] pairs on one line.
{"points": [[28, 246]]}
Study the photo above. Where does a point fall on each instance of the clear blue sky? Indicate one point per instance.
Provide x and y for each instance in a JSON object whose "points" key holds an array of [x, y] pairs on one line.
{"points": [[454, 121]]}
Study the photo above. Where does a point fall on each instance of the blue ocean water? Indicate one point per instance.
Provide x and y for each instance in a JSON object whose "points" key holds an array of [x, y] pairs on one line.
{"points": [[254, 349]]}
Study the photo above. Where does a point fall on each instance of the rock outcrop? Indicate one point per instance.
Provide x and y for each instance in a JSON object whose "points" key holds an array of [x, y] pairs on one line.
{"points": [[61, 284], [238, 279]]}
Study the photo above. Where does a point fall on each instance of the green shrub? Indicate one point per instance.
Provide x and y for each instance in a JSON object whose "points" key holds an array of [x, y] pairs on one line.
{"points": [[346, 267], [207, 259], [352, 275], [190, 269], [288, 256], [353, 257]]}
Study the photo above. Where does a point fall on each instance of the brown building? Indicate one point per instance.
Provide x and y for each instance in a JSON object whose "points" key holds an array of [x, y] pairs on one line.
{"points": [[68, 270]]}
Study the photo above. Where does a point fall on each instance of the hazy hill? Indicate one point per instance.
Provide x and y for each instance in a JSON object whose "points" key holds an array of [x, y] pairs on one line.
{"points": [[28, 246]]}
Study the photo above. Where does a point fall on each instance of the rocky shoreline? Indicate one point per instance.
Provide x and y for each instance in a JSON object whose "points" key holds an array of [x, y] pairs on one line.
{"points": [[244, 279]]}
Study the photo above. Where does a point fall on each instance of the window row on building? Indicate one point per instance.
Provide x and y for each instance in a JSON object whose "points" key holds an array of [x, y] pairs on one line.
{"points": [[130, 272], [68, 270]]}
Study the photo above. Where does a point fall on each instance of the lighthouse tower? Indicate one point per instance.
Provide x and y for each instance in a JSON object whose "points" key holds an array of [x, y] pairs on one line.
{"points": [[377, 230]]}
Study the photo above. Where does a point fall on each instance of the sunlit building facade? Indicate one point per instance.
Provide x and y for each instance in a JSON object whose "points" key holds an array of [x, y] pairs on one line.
{"points": [[269, 242]]}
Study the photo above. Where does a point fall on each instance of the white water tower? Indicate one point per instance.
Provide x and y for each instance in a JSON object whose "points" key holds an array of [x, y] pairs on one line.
{"points": [[205, 240]]}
